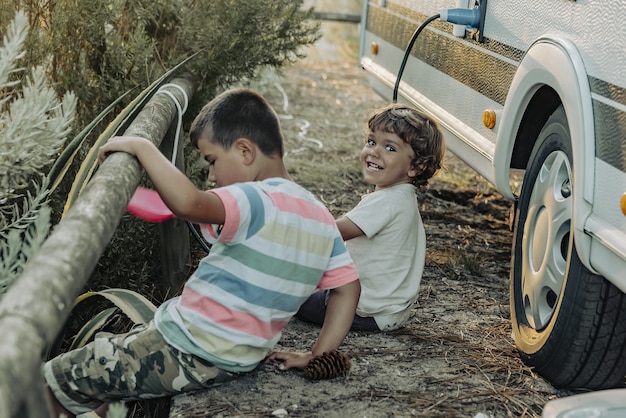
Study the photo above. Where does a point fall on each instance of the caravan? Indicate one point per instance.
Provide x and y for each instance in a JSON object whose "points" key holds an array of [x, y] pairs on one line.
{"points": [[537, 86]]}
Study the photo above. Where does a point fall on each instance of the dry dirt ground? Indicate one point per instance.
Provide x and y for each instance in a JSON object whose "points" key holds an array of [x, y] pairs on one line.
{"points": [[456, 356]]}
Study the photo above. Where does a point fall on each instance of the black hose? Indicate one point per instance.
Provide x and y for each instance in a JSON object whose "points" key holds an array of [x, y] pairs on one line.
{"points": [[198, 237], [407, 52]]}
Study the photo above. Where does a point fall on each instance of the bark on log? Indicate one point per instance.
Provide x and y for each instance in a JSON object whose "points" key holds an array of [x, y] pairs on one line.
{"points": [[34, 309]]}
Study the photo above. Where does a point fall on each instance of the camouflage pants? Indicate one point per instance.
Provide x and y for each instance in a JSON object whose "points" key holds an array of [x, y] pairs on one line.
{"points": [[132, 366]]}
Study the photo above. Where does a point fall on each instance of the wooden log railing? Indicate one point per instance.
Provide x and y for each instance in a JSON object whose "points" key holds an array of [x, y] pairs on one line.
{"points": [[35, 308]]}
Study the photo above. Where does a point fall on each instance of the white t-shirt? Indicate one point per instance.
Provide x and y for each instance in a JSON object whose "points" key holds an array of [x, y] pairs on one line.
{"points": [[390, 257]]}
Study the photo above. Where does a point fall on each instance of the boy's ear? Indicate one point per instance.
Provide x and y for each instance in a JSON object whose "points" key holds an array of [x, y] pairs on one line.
{"points": [[416, 170], [247, 149]]}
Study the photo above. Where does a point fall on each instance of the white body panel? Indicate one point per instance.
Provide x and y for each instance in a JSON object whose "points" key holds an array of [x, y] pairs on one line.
{"points": [[564, 44]]}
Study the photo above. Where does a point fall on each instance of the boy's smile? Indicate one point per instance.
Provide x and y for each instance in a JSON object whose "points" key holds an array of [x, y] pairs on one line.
{"points": [[373, 166]]}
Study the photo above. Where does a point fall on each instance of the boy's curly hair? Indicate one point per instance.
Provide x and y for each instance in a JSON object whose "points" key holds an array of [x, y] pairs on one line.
{"points": [[416, 129]]}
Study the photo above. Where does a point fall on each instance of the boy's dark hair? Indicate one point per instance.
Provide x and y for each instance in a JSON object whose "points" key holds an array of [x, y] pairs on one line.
{"points": [[239, 113], [417, 130]]}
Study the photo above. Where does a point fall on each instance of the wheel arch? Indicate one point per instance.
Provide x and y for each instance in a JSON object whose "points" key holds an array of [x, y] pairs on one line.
{"points": [[541, 105], [551, 73]]}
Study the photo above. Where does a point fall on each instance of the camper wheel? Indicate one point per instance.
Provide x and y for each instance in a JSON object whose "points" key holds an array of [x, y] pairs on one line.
{"points": [[568, 323]]}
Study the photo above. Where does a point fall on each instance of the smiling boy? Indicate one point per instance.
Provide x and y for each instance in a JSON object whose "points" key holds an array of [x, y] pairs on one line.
{"points": [[384, 233]]}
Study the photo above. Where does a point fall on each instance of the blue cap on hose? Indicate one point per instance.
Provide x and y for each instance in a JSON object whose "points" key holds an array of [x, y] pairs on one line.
{"points": [[468, 17]]}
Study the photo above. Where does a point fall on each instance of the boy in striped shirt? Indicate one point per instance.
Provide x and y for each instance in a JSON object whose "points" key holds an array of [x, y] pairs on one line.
{"points": [[273, 245]]}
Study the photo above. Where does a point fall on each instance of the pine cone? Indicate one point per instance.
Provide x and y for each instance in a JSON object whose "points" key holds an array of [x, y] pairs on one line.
{"points": [[327, 365]]}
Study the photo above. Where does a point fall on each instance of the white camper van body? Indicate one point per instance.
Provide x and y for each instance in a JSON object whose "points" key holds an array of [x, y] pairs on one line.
{"points": [[529, 58], [566, 44]]}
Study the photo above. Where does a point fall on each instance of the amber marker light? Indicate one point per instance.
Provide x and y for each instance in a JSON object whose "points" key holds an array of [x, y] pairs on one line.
{"points": [[622, 203], [374, 48], [489, 118]]}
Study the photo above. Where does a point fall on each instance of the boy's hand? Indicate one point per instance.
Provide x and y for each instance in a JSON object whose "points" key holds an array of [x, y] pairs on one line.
{"points": [[128, 144], [289, 360]]}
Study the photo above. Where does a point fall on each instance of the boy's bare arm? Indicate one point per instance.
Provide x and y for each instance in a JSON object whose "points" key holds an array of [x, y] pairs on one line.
{"points": [[176, 190], [348, 229], [340, 312], [337, 322]]}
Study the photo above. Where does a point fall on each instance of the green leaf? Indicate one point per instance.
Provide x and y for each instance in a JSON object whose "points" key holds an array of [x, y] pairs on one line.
{"points": [[64, 161], [119, 124], [91, 327], [139, 309]]}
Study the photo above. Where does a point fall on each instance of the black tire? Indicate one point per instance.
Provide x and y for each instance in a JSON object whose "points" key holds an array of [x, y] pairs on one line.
{"points": [[568, 323]]}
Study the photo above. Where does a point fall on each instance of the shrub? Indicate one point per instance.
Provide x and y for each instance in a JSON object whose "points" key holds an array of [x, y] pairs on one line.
{"points": [[34, 124], [101, 49]]}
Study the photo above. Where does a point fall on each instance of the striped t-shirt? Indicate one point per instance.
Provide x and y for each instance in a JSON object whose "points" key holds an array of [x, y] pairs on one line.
{"points": [[278, 245]]}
